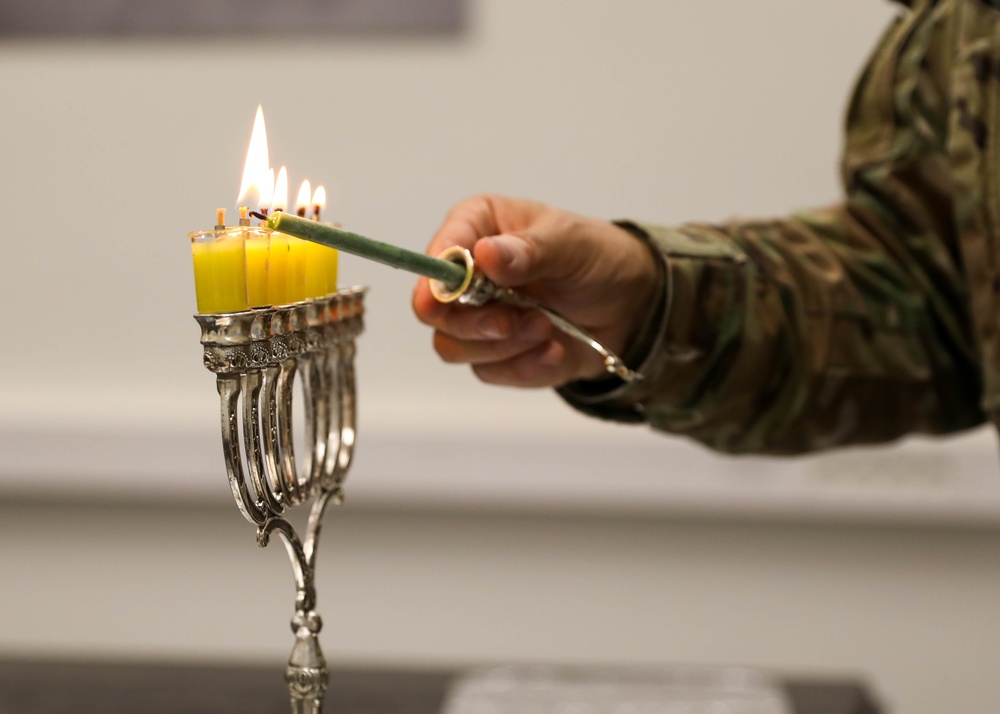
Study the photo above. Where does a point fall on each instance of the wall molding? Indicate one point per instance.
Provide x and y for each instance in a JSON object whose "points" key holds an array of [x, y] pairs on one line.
{"points": [[601, 470]]}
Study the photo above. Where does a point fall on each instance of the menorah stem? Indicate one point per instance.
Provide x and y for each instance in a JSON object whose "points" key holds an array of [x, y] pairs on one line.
{"points": [[315, 522], [306, 674]]}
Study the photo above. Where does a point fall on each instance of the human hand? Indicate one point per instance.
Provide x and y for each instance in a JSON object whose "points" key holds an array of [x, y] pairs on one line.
{"points": [[593, 273]]}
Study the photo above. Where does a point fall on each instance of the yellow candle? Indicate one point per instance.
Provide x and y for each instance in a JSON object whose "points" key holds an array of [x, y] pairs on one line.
{"points": [[330, 260], [277, 274], [313, 285], [326, 257], [219, 271], [295, 286], [256, 249], [315, 270]]}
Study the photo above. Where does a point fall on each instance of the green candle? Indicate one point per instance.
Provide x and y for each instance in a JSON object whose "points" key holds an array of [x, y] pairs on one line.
{"points": [[447, 272]]}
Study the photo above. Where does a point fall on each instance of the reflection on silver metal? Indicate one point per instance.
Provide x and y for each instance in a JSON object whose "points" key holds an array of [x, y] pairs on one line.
{"points": [[477, 289], [256, 356]]}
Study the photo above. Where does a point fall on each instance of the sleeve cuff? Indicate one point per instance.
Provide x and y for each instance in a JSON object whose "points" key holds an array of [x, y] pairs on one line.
{"points": [[672, 335]]}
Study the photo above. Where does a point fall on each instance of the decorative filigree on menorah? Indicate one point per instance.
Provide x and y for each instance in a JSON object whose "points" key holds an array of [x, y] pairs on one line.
{"points": [[257, 355]]}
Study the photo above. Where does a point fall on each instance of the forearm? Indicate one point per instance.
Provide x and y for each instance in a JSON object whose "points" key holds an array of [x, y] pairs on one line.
{"points": [[798, 335], [852, 324]]}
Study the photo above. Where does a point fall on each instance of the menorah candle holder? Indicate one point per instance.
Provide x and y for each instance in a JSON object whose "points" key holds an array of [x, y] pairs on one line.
{"points": [[257, 355]]}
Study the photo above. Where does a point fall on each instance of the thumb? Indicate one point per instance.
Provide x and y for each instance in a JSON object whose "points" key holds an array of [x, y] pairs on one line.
{"points": [[512, 260]]}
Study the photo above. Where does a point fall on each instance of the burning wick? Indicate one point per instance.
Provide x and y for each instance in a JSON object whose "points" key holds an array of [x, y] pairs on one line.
{"points": [[318, 201], [262, 214], [244, 215], [302, 201]]}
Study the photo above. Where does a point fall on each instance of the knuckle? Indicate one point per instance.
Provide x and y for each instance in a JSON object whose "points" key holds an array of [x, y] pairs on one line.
{"points": [[540, 366], [447, 348], [424, 305], [491, 374]]}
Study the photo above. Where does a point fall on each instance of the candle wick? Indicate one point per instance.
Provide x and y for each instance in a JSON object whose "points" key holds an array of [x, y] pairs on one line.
{"points": [[261, 216]]}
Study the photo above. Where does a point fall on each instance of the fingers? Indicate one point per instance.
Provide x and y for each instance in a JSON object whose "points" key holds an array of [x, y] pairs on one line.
{"points": [[495, 320], [465, 223], [577, 266], [540, 366], [501, 345], [426, 307], [552, 363], [514, 241], [538, 356], [511, 260], [480, 352], [511, 363]]}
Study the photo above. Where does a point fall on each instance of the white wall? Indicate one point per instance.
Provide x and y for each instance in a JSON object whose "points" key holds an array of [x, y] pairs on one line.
{"points": [[911, 611], [112, 153], [654, 110]]}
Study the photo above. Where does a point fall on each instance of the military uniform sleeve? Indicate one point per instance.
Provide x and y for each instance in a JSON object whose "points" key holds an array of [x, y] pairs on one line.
{"points": [[844, 325]]}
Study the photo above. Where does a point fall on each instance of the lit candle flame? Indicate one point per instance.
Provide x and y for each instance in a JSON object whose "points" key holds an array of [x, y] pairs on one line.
{"points": [[267, 191], [319, 201], [302, 202], [255, 170], [280, 199]]}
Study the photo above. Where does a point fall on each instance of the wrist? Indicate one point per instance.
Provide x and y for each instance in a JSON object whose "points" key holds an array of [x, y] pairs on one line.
{"points": [[646, 301], [641, 296]]}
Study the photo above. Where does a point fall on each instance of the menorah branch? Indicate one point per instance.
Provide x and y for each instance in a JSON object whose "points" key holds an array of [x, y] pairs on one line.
{"points": [[257, 355]]}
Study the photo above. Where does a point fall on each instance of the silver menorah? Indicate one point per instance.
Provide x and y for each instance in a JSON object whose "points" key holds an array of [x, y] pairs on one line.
{"points": [[257, 355]]}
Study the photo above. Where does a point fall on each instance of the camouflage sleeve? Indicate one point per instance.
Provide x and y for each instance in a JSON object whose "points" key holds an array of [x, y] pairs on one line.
{"points": [[843, 325]]}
